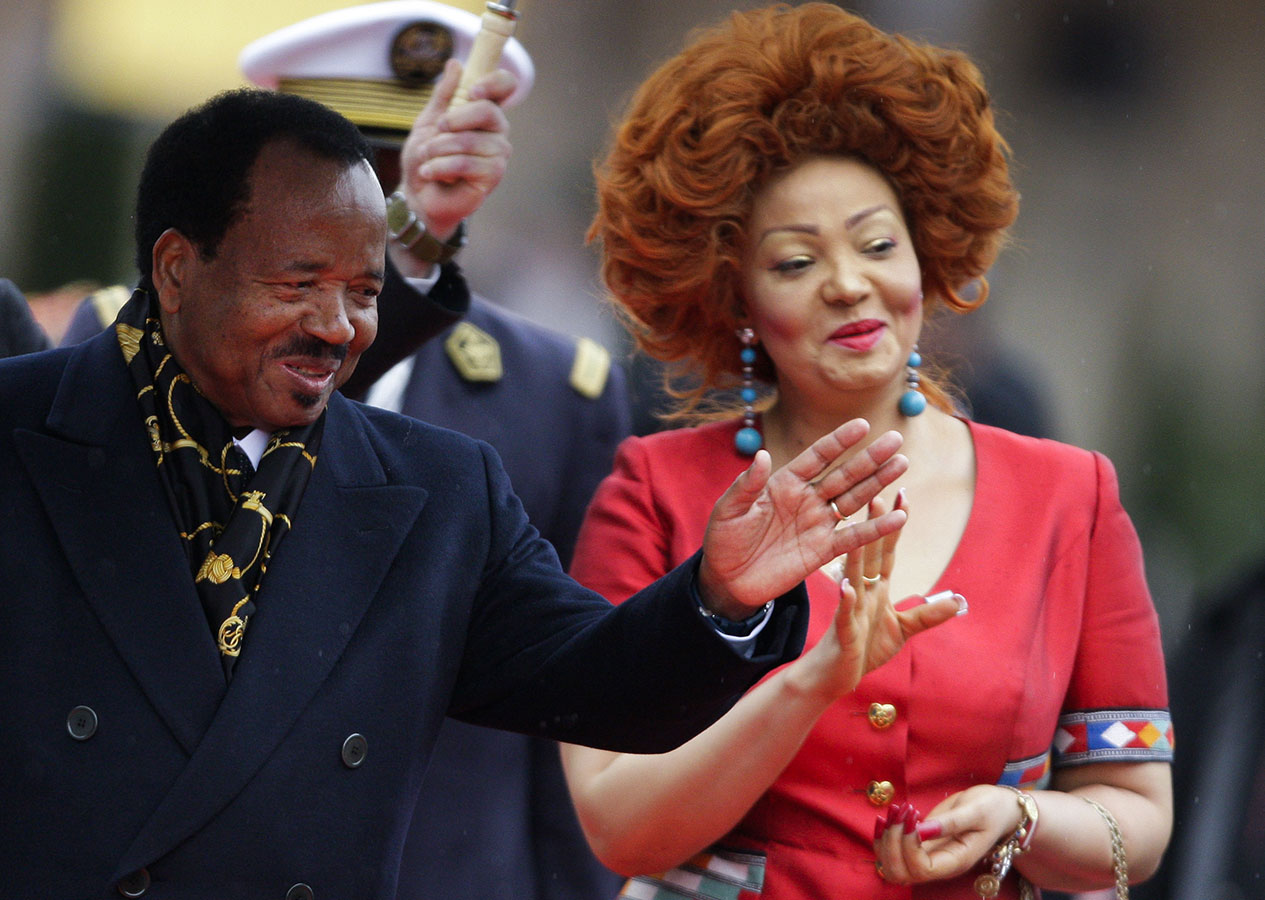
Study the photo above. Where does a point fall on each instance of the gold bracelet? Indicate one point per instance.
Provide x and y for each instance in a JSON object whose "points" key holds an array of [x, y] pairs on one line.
{"points": [[1001, 856], [1118, 862]]}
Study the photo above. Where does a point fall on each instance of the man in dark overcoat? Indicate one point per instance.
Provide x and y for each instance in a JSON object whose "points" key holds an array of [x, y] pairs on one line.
{"points": [[239, 605]]}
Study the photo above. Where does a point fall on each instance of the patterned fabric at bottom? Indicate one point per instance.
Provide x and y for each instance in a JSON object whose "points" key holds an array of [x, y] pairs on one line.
{"points": [[715, 874]]}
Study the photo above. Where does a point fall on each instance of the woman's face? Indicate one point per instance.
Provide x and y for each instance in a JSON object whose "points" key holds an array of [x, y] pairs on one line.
{"points": [[831, 282]]}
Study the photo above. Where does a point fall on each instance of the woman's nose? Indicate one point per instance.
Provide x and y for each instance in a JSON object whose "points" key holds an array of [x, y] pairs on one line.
{"points": [[845, 284]]}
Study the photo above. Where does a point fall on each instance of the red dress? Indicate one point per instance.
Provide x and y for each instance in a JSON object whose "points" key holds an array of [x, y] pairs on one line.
{"points": [[1057, 663]]}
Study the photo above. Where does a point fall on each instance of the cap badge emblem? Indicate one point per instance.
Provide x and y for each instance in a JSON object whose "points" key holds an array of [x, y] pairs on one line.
{"points": [[419, 52]]}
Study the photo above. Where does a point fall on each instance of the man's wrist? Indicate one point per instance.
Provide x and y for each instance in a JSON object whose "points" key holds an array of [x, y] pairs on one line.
{"points": [[740, 628], [409, 233], [723, 614]]}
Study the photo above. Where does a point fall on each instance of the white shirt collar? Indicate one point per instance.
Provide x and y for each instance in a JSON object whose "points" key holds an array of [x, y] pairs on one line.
{"points": [[254, 445]]}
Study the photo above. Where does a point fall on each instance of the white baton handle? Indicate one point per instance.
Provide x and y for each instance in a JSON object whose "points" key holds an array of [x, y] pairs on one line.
{"points": [[496, 28]]}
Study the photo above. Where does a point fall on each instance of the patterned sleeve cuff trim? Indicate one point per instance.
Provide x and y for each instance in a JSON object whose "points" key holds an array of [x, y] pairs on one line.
{"points": [[1031, 774], [1113, 735]]}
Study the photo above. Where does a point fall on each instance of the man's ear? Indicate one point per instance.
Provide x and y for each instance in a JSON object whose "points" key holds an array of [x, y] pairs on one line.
{"points": [[173, 255]]}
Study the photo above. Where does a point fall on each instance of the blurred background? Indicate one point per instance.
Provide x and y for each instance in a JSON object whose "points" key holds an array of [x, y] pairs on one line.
{"points": [[1132, 298]]}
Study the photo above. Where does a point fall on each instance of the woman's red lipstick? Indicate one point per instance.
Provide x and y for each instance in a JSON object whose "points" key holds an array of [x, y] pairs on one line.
{"points": [[859, 336]]}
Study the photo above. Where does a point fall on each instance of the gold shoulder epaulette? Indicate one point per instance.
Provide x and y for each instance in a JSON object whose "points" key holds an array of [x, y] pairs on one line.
{"points": [[474, 352], [107, 302], [591, 368]]}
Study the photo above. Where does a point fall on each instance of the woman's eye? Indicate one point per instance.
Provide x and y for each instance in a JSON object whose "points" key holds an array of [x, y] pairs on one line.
{"points": [[880, 246], [794, 264]]}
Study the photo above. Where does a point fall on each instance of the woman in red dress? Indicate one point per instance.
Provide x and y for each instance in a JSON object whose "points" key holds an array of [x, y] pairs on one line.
{"points": [[788, 200]]}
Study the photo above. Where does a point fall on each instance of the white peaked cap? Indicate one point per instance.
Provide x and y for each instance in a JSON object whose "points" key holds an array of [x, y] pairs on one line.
{"points": [[375, 63]]}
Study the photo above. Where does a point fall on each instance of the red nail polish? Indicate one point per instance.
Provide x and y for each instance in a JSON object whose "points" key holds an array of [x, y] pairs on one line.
{"points": [[929, 829], [910, 820], [880, 825]]}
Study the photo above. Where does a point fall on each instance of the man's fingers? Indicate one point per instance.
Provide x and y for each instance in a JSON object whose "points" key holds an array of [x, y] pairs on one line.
{"points": [[466, 143], [853, 489], [496, 86], [441, 96], [746, 487], [480, 115], [827, 449], [463, 167], [880, 450], [853, 536]]}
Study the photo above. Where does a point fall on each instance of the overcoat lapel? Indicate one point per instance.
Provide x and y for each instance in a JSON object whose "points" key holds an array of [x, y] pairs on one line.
{"points": [[96, 477], [325, 574]]}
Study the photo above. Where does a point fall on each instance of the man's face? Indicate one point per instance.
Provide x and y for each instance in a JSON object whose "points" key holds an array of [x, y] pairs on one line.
{"points": [[271, 326]]}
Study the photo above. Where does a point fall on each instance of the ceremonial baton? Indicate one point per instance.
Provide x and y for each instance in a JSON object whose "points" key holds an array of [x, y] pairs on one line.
{"points": [[496, 28]]}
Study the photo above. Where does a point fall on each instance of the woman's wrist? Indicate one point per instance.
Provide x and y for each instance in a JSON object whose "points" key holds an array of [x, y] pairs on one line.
{"points": [[998, 861]]}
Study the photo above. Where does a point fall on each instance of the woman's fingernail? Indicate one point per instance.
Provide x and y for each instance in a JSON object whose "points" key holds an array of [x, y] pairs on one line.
{"points": [[900, 499], [910, 820], [929, 829], [944, 595], [880, 825]]}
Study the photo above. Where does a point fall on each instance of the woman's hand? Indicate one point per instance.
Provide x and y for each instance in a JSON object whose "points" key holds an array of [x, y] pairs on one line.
{"points": [[954, 837], [867, 629], [630, 804]]}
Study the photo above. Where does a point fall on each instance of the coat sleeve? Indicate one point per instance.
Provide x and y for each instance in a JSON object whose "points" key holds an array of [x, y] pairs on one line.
{"points": [[547, 656]]}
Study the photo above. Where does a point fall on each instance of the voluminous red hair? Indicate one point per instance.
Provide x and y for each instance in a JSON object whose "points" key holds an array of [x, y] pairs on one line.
{"points": [[753, 96]]}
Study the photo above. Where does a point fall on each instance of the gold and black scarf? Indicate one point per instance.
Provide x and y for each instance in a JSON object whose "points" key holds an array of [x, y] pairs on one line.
{"points": [[231, 518]]}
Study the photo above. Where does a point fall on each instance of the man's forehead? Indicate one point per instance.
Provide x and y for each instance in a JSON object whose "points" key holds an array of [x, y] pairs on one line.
{"points": [[284, 171]]}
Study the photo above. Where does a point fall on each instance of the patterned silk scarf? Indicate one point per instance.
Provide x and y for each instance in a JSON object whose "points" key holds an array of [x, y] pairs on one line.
{"points": [[231, 517]]}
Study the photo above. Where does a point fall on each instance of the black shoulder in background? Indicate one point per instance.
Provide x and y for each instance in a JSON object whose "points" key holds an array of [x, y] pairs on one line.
{"points": [[19, 331]]}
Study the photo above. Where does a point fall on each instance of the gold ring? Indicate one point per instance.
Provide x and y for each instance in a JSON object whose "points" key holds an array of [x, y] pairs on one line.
{"points": [[838, 514], [878, 867], [871, 579]]}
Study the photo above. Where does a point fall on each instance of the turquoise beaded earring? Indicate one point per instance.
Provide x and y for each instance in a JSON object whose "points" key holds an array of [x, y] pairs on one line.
{"points": [[912, 402], [748, 439]]}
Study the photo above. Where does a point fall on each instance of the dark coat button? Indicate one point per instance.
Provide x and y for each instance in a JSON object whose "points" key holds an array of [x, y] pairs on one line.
{"points": [[354, 750], [134, 885], [300, 892], [81, 723]]}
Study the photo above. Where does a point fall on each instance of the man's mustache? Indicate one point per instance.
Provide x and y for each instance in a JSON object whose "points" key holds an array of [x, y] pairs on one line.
{"points": [[313, 348]]}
